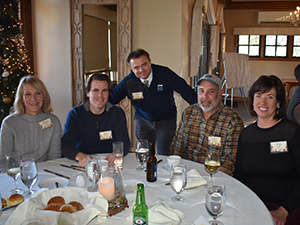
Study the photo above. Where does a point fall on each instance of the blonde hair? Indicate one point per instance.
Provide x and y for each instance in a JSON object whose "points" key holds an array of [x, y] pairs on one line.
{"points": [[37, 84]]}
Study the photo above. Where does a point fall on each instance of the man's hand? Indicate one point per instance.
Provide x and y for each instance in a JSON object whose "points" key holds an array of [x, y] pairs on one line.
{"points": [[110, 159], [81, 158], [279, 215]]}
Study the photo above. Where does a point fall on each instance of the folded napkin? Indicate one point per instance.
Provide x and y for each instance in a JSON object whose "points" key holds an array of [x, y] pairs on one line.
{"points": [[161, 213], [194, 179], [94, 205]]}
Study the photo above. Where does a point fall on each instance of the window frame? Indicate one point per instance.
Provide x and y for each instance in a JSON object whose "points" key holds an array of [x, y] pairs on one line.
{"points": [[262, 50]]}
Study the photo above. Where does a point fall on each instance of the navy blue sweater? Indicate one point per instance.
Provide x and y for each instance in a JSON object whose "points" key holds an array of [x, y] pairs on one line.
{"points": [[158, 101], [81, 133], [295, 100]]}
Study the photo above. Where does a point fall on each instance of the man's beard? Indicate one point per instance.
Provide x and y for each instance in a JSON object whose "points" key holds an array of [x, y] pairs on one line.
{"points": [[211, 106]]}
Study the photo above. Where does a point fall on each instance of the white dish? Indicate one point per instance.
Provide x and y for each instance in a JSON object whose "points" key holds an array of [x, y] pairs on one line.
{"points": [[166, 167], [50, 182], [131, 185]]}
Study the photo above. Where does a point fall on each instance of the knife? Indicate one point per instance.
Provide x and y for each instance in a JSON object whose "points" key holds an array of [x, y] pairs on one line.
{"points": [[49, 171], [72, 167]]}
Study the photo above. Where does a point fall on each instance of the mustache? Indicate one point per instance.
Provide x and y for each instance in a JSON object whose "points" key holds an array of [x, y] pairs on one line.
{"points": [[205, 100]]}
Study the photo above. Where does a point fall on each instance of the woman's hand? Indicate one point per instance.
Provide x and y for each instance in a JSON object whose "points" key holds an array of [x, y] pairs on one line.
{"points": [[279, 215], [81, 158]]}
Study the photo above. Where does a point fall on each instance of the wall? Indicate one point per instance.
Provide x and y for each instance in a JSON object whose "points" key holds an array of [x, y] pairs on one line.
{"points": [[53, 51], [248, 18]]}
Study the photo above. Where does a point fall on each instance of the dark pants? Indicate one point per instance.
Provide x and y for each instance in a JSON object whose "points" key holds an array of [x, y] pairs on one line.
{"points": [[292, 219], [161, 133]]}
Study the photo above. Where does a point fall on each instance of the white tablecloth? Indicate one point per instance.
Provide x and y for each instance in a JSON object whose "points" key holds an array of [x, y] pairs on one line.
{"points": [[243, 206]]}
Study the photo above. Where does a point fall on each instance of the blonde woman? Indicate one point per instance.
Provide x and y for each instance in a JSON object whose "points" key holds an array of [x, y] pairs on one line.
{"points": [[32, 129]]}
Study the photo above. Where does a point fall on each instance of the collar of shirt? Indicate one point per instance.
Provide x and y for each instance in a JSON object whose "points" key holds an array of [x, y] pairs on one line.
{"points": [[149, 79]]}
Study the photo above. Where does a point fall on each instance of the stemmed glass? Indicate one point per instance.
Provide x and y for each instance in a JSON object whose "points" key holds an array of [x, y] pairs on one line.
{"points": [[12, 166], [142, 153], [93, 171], [178, 180], [215, 202], [29, 173], [212, 162]]}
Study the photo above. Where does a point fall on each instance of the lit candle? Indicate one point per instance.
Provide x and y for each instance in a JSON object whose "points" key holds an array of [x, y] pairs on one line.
{"points": [[106, 187]]}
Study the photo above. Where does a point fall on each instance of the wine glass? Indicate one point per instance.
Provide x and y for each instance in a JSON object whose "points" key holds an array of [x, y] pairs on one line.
{"points": [[12, 166], [142, 153], [178, 180], [215, 202], [29, 173], [212, 162], [93, 171]]}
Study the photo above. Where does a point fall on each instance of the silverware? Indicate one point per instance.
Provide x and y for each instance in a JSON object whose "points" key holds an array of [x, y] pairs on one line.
{"points": [[56, 184], [72, 167], [9, 207], [58, 174], [77, 166], [159, 161]]}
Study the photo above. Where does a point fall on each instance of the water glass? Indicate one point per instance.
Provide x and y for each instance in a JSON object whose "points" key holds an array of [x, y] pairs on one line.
{"points": [[215, 202], [12, 166], [118, 152], [32, 221], [29, 173], [178, 181], [142, 153], [93, 171]]}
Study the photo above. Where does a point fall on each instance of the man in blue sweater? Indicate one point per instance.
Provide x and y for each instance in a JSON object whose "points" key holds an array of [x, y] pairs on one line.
{"points": [[293, 110], [151, 88], [93, 126]]}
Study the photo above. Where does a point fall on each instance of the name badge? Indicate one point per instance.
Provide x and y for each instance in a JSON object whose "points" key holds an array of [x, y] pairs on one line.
{"points": [[105, 135], [278, 147], [137, 95], [46, 124], [214, 141], [160, 87]]}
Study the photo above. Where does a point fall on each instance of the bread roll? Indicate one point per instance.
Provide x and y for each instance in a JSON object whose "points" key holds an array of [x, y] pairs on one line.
{"points": [[68, 208], [54, 207], [77, 205], [56, 199], [4, 204], [15, 199]]}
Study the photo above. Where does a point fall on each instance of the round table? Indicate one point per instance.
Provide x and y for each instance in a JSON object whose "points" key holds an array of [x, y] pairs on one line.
{"points": [[243, 206]]}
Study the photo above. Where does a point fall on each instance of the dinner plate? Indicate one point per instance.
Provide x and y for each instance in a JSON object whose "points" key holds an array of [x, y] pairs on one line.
{"points": [[166, 167], [131, 185], [50, 182]]}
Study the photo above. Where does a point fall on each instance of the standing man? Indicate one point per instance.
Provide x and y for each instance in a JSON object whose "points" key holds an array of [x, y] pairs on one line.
{"points": [[208, 125], [93, 126], [150, 88], [293, 110]]}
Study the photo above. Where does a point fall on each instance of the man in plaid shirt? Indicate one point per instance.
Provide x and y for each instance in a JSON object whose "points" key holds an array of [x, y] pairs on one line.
{"points": [[207, 125]]}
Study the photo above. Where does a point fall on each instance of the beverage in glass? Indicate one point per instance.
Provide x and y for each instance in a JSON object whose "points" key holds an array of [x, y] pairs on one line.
{"points": [[178, 181], [118, 152], [215, 202], [12, 167], [212, 162], [142, 153], [29, 173]]}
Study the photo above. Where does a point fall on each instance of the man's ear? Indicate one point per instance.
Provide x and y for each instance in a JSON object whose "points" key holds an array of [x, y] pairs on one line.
{"points": [[221, 92]]}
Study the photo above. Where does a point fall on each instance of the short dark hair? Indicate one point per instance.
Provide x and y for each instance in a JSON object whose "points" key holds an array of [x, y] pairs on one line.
{"points": [[297, 73], [137, 54], [264, 84], [98, 76]]}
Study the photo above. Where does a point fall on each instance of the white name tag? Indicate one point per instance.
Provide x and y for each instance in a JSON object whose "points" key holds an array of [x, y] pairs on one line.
{"points": [[105, 135], [278, 147], [214, 141], [46, 123], [137, 95]]}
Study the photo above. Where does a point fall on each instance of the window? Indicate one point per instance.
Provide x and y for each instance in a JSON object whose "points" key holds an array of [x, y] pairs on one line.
{"points": [[276, 46], [270, 47], [296, 46], [249, 44]]}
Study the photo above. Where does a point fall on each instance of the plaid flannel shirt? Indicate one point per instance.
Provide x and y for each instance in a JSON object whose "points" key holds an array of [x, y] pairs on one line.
{"points": [[191, 138]]}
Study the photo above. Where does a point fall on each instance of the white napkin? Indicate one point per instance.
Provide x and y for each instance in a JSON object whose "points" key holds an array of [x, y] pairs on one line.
{"points": [[94, 205], [194, 179], [161, 213]]}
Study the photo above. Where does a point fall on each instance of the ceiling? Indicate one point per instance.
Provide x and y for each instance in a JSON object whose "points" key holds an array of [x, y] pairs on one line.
{"points": [[270, 5]]}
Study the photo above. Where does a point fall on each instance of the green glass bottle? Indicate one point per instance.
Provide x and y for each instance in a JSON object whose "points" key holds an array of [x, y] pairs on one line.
{"points": [[140, 209]]}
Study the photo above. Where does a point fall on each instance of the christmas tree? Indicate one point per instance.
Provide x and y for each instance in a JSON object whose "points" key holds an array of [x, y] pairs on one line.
{"points": [[13, 55]]}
